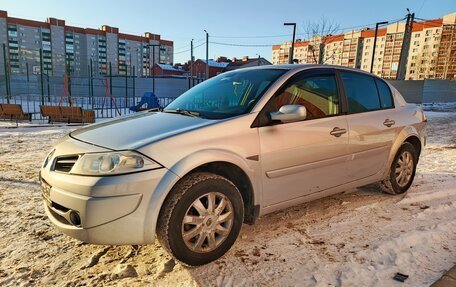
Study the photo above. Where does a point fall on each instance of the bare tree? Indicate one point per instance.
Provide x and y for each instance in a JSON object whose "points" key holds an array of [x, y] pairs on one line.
{"points": [[316, 32]]}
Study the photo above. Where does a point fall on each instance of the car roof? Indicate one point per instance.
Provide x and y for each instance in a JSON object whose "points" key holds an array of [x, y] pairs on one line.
{"points": [[302, 67]]}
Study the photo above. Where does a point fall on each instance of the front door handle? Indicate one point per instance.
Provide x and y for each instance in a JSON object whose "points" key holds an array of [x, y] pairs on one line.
{"points": [[337, 132], [389, 122]]}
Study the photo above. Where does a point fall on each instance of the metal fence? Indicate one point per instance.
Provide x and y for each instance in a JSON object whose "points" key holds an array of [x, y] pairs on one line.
{"points": [[107, 96], [426, 91]]}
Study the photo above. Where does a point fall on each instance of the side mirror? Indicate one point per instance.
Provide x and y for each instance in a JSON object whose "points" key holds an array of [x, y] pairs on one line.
{"points": [[290, 113]]}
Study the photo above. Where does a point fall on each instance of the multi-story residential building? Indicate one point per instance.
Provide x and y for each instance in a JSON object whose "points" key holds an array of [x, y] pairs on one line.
{"points": [[351, 56], [333, 50], [58, 49], [446, 59], [367, 37], [431, 53], [424, 47]]}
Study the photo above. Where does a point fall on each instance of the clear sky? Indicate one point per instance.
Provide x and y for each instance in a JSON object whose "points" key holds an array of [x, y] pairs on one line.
{"points": [[181, 21]]}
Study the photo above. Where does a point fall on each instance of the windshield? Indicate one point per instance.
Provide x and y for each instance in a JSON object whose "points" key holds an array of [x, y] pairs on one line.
{"points": [[227, 95]]}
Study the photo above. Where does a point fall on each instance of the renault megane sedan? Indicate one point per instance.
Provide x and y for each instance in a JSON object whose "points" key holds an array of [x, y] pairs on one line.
{"points": [[233, 148]]}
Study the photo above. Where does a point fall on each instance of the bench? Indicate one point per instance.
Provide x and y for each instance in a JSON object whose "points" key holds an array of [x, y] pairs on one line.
{"points": [[67, 114], [52, 113], [14, 112]]}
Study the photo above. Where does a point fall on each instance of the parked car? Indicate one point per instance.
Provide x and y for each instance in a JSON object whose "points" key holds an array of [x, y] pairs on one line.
{"points": [[235, 147]]}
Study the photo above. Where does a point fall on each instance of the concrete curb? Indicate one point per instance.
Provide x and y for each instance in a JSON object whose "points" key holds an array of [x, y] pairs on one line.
{"points": [[447, 280]]}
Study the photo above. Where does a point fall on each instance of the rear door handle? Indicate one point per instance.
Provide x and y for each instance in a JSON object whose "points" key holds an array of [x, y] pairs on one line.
{"points": [[389, 122], [337, 132]]}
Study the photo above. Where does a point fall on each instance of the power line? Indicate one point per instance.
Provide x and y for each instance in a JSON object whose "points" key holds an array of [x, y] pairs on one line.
{"points": [[301, 34], [269, 45], [242, 45], [188, 45], [421, 7], [435, 21], [247, 37], [190, 49]]}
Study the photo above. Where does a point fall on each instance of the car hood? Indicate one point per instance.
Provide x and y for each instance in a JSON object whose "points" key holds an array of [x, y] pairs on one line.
{"points": [[134, 132]]}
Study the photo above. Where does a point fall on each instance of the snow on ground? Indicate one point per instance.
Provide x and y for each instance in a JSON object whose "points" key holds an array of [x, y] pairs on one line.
{"points": [[359, 238]]}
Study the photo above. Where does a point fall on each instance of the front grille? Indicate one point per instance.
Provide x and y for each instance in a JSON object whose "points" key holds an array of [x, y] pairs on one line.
{"points": [[65, 163]]}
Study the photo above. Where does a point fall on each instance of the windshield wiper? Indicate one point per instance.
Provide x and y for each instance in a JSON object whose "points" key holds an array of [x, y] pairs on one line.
{"points": [[184, 112]]}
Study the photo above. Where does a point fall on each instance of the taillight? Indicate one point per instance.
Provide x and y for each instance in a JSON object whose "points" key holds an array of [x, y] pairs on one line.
{"points": [[423, 117]]}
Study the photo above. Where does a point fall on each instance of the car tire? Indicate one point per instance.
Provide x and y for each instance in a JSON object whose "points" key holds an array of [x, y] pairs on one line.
{"points": [[200, 219], [402, 170]]}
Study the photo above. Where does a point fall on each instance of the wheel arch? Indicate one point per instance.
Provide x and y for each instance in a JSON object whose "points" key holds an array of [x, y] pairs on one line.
{"points": [[240, 179], [227, 164], [415, 142], [408, 134]]}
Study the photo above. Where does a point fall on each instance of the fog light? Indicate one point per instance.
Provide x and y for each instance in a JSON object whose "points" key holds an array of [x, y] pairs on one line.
{"points": [[75, 219]]}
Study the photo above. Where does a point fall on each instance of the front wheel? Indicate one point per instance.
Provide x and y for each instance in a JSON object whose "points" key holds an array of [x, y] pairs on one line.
{"points": [[402, 171], [200, 219]]}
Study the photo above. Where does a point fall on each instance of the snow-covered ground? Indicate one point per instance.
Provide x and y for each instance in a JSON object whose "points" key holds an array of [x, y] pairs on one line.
{"points": [[359, 238]]}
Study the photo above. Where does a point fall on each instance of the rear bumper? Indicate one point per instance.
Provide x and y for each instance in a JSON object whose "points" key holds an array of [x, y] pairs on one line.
{"points": [[111, 210]]}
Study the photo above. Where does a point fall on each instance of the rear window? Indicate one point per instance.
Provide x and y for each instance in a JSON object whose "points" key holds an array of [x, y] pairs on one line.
{"points": [[386, 98], [361, 92]]}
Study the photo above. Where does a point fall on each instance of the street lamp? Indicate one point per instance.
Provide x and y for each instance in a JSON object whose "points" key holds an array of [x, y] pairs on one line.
{"points": [[259, 57], [153, 65], [290, 60], [207, 54], [375, 43]]}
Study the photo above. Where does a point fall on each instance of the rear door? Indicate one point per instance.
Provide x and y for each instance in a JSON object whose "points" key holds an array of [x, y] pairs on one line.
{"points": [[371, 122], [304, 157]]}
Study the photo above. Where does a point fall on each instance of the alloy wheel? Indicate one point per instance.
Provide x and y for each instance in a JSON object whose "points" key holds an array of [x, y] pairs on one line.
{"points": [[207, 222], [404, 168]]}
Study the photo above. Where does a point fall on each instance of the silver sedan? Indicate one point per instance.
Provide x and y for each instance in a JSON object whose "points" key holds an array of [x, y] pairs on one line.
{"points": [[235, 147]]}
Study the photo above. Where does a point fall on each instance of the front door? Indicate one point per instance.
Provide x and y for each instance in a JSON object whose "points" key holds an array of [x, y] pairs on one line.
{"points": [[311, 155]]}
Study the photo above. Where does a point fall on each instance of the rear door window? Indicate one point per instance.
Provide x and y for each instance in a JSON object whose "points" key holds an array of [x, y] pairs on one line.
{"points": [[361, 92], [386, 98]]}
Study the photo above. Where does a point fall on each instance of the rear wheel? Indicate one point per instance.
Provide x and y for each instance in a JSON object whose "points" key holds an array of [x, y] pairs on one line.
{"points": [[200, 219], [402, 171]]}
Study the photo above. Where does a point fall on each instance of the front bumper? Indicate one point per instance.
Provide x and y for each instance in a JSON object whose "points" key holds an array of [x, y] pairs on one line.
{"points": [[110, 210], [115, 219]]}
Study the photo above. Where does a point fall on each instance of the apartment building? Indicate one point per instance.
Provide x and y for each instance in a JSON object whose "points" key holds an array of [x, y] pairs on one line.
{"points": [[446, 59], [58, 49], [431, 53], [367, 38], [333, 50]]}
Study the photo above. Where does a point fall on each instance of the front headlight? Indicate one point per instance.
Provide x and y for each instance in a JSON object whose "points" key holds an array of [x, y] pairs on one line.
{"points": [[112, 163], [48, 158]]}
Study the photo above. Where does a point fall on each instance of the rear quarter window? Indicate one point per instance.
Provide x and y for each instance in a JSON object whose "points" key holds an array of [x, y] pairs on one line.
{"points": [[386, 98], [361, 92]]}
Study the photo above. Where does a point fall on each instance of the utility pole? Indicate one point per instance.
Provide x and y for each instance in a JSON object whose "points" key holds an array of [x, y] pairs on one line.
{"points": [[134, 83], [8, 93], [69, 83], [88, 84], [28, 78], [126, 85], [259, 58], [191, 59], [153, 65], [41, 76], [207, 54], [91, 82], [375, 43], [290, 59], [110, 85], [48, 86], [402, 66], [27, 68]]}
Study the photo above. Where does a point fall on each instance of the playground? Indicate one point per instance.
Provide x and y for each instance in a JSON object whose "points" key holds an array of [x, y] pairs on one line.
{"points": [[105, 97]]}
